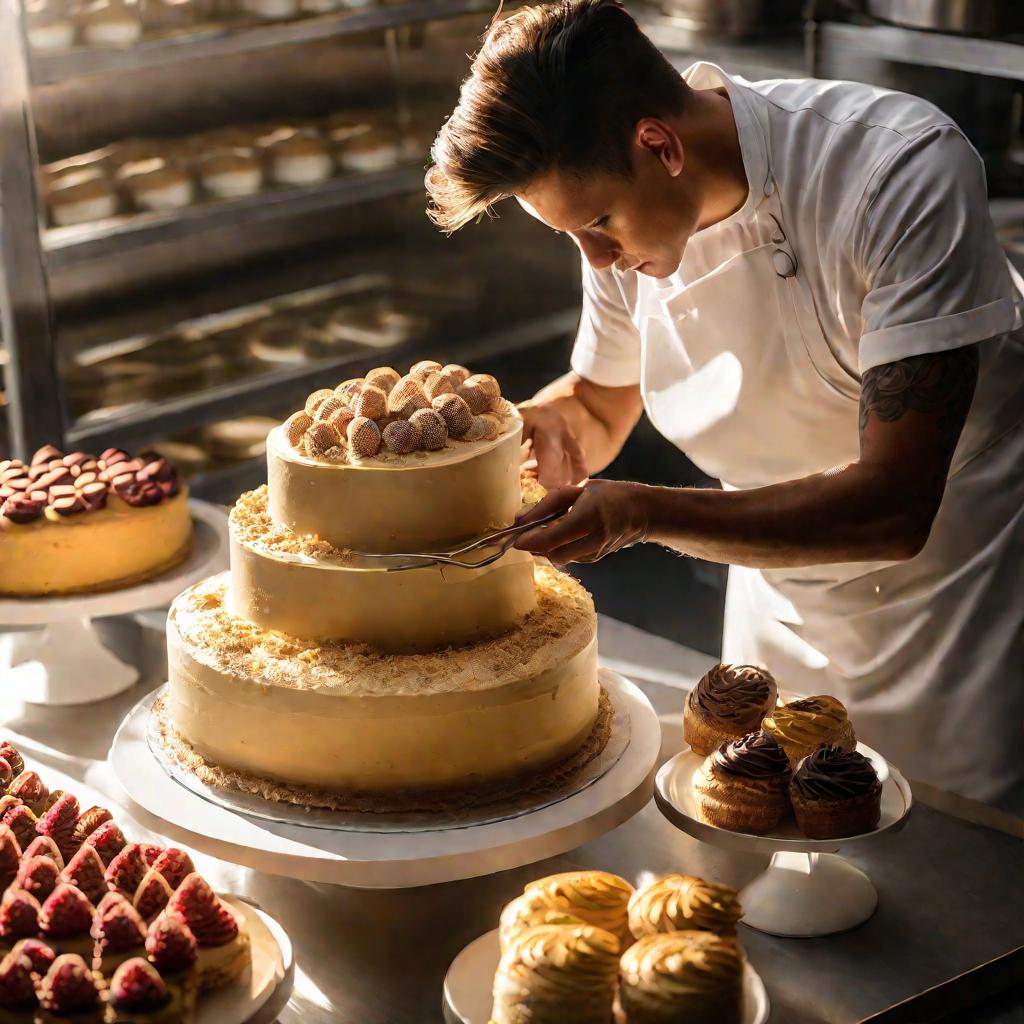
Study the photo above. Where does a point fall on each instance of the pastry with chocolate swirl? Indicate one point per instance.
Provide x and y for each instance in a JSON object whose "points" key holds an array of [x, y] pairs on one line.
{"points": [[805, 725], [835, 793], [557, 974], [727, 703], [682, 902], [691, 976], [743, 785]]}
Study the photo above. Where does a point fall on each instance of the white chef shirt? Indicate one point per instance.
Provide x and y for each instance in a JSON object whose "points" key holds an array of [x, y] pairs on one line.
{"points": [[886, 208]]}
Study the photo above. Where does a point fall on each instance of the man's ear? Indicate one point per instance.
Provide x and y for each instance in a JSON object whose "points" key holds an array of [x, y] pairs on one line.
{"points": [[661, 141]]}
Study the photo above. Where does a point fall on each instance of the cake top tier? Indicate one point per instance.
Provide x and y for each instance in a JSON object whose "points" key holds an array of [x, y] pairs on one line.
{"points": [[384, 417], [56, 485]]}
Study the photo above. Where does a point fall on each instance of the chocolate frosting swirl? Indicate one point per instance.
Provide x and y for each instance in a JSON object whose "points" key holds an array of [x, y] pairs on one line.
{"points": [[834, 774], [735, 693], [756, 756]]}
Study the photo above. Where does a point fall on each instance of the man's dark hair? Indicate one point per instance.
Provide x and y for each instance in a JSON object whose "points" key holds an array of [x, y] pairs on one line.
{"points": [[559, 86]]}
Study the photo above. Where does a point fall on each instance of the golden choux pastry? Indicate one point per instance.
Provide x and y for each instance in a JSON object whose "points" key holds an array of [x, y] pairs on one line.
{"points": [[743, 785], [681, 902], [687, 976], [728, 702], [557, 974], [598, 897], [807, 724], [522, 914]]}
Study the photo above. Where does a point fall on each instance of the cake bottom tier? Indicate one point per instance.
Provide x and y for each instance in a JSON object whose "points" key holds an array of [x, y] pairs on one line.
{"points": [[345, 718]]}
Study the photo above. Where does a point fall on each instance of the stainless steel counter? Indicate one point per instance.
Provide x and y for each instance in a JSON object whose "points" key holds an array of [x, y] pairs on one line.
{"points": [[951, 891]]}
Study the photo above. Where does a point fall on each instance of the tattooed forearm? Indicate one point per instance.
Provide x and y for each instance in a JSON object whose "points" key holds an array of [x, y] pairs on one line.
{"points": [[938, 384]]}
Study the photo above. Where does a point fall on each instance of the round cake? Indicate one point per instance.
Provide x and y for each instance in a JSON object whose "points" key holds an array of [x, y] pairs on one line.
{"points": [[317, 673], [78, 523]]}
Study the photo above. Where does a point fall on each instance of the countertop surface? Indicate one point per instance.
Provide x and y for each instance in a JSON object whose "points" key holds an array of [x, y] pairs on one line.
{"points": [[951, 891]]}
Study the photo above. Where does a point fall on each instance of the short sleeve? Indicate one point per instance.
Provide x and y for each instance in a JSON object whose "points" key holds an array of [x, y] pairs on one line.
{"points": [[936, 276], [607, 349]]}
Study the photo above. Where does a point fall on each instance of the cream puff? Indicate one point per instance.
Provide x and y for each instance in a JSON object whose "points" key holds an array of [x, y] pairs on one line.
{"points": [[598, 897], [728, 702], [231, 171], [81, 196], [690, 976], [111, 23], [373, 150], [743, 785], [302, 158], [522, 914], [557, 974], [682, 902], [804, 725], [48, 25], [272, 10], [156, 184], [835, 793]]}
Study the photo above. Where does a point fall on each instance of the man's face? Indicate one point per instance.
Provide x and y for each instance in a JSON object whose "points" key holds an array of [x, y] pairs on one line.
{"points": [[640, 223]]}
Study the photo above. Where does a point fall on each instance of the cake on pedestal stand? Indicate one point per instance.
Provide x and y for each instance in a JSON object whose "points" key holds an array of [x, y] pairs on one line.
{"points": [[65, 662], [807, 889]]}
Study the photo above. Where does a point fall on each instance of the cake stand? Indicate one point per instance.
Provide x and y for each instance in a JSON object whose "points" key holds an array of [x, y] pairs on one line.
{"points": [[439, 852], [65, 662], [807, 889], [467, 986]]}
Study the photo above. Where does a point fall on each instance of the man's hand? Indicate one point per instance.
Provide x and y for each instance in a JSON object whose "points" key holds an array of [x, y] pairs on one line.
{"points": [[599, 518], [550, 447]]}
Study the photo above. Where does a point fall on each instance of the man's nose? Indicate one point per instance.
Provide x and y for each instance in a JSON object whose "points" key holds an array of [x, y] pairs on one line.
{"points": [[599, 252]]}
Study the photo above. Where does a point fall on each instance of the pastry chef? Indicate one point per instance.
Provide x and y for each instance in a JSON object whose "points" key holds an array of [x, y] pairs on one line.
{"points": [[800, 284]]}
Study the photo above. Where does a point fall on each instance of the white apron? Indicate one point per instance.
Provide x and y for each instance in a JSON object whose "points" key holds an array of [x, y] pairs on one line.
{"points": [[928, 654]]}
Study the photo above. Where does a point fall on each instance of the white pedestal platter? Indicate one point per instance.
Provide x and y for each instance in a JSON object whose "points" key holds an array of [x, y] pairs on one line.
{"points": [[806, 890], [392, 859], [467, 986], [65, 662]]}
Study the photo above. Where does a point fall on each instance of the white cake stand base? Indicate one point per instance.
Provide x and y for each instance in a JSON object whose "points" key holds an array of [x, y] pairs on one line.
{"points": [[65, 661], [806, 890], [398, 859]]}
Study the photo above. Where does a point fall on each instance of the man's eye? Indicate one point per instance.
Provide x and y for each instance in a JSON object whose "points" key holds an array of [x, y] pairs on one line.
{"points": [[600, 222]]}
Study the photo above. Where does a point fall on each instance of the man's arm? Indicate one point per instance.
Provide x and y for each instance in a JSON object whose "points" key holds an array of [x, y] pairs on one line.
{"points": [[575, 427], [879, 508]]}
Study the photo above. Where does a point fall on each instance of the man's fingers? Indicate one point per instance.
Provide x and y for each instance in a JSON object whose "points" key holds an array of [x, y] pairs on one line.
{"points": [[587, 549], [550, 455], [559, 500], [577, 460], [543, 539]]}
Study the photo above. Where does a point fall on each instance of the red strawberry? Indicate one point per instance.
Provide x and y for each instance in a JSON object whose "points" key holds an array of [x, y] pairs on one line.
{"points": [[152, 895], [17, 987], [38, 875], [66, 913], [118, 928], [136, 987], [22, 822], [59, 824], [44, 846], [175, 865], [151, 853], [31, 789], [69, 987], [6, 773], [109, 841], [171, 945], [110, 897], [10, 754], [126, 870], [40, 955], [86, 872], [201, 909], [19, 915], [89, 821], [10, 855], [7, 802]]}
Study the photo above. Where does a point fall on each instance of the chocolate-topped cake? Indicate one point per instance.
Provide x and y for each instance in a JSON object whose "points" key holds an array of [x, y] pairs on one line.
{"points": [[742, 785], [728, 702], [75, 523], [835, 793]]}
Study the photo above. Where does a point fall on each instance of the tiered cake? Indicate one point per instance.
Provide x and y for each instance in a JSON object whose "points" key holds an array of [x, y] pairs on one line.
{"points": [[311, 673]]}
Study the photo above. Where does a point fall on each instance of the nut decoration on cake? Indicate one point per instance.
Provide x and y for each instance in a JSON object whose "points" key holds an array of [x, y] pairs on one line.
{"points": [[557, 974], [679, 902], [85, 871], [70, 992], [804, 725], [600, 898], [152, 895], [686, 975], [432, 407], [728, 702], [835, 793], [77, 522]]}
